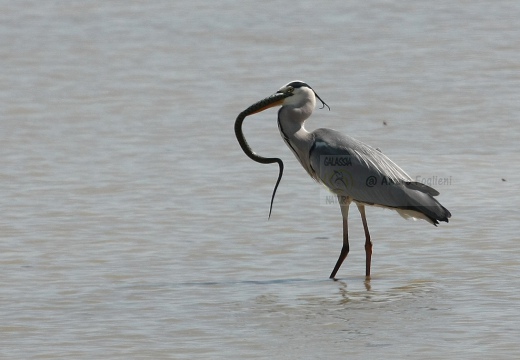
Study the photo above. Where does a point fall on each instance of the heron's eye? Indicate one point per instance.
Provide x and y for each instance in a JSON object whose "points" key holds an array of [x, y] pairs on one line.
{"points": [[290, 89]]}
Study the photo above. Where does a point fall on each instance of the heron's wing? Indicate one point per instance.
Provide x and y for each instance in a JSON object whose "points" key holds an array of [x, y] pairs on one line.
{"points": [[349, 167], [352, 168]]}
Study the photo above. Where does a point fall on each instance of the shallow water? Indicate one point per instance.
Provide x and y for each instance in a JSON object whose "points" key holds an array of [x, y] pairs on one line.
{"points": [[133, 226]]}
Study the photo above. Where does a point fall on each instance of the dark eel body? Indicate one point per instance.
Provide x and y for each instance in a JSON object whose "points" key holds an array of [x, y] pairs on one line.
{"points": [[245, 146]]}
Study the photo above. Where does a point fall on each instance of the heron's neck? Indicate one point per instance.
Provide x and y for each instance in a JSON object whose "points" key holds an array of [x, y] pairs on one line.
{"points": [[291, 123], [297, 138]]}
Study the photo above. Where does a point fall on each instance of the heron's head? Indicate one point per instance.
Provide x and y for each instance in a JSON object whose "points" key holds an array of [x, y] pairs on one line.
{"points": [[300, 93], [296, 94]]}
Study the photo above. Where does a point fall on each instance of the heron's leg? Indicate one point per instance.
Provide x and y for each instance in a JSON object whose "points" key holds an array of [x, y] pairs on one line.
{"points": [[344, 203], [368, 242]]}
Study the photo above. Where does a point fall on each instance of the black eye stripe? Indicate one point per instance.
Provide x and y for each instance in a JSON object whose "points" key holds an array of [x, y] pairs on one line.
{"points": [[298, 84]]}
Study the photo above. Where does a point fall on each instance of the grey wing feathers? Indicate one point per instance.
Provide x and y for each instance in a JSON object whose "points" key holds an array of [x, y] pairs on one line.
{"points": [[352, 168], [422, 187]]}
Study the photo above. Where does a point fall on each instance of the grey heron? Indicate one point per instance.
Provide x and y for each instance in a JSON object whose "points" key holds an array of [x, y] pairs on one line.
{"points": [[352, 170]]}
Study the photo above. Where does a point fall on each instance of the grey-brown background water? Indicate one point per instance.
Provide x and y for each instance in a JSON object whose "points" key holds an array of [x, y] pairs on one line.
{"points": [[133, 226]]}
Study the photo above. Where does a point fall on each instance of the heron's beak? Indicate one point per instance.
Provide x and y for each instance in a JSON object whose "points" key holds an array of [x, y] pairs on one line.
{"points": [[271, 101]]}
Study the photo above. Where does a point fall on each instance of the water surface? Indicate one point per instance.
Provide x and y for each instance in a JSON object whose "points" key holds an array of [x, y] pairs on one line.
{"points": [[133, 226]]}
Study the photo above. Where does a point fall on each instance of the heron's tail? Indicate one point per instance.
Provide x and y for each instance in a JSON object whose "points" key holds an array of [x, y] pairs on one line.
{"points": [[421, 200]]}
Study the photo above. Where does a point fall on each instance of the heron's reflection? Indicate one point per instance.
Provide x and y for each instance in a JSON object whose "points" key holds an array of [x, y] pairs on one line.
{"points": [[348, 296]]}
